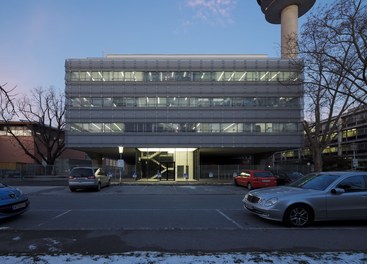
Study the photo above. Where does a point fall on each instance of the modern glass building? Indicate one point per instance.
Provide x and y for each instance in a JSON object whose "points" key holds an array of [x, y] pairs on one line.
{"points": [[175, 114]]}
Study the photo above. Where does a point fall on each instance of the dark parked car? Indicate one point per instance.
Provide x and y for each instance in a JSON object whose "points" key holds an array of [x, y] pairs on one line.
{"points": [[255, 179], [12, 201], [293, 176], [88, 178], [285, 178], [314, 197], [281, 176]]}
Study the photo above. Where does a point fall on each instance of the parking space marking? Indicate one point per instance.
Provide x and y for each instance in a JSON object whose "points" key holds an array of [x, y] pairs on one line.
{"points": [[230, 219], [64, 213], [53, 218]]}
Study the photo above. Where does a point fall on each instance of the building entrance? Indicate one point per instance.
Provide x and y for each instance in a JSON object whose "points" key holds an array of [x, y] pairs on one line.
{"points": [[166, 164], [157, 165]]}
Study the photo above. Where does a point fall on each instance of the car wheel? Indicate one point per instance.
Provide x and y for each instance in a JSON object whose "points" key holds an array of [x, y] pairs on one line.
{"points": [[298, 215], [72, 189], [249, 186], [98, 187]]}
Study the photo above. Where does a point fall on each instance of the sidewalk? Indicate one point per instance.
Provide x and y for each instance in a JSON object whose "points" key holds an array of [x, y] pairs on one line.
{"points": [[170, 182], [35, 181], [63, 181]]}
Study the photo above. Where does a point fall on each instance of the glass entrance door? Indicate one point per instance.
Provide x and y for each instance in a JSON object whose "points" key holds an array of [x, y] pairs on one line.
{"points": [[168, 172], [157, 166], [166, 163]]}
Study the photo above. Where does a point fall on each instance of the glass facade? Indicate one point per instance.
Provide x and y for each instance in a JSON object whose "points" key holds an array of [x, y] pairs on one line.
{"points": [[112, 102], [151, 127], [17, 130], [183, 76]]}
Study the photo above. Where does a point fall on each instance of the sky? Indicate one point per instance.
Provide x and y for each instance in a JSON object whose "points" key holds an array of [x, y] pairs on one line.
{"points": [[38, 35]]}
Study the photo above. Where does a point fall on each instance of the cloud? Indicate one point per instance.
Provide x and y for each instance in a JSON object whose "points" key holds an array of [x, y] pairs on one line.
{"points": [[213, 12]]}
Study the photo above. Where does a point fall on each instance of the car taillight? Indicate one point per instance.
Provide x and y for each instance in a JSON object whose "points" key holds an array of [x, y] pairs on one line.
{"points": [[71, 177]]}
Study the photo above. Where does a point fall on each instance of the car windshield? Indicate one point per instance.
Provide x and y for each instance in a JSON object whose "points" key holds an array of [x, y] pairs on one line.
{"points": [[263, 174], [315, 181], [82, 172]]}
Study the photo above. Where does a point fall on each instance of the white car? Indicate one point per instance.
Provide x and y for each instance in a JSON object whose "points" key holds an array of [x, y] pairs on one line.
{"points": [[314, 197], [88, 178]]}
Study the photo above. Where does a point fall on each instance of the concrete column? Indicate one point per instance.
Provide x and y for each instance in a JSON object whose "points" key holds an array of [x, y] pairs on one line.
{"points": [[289, 32]]}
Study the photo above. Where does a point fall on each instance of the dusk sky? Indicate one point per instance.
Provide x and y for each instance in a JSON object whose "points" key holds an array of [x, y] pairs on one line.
{"points": [[38, 35]]}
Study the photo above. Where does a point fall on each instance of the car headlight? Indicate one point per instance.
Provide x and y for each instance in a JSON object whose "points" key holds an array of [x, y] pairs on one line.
{"points": [[269, 202]]}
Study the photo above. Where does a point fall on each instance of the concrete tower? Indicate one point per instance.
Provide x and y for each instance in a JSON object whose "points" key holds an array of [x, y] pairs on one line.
{"points": [[286, 13]]}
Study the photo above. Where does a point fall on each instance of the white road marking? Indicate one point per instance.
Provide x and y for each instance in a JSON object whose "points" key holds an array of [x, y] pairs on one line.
{"points": [[64, 213], [59, 215], [230, 219], [252, 227]]}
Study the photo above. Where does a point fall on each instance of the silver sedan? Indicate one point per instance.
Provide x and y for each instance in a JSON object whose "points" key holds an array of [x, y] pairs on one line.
{"points": [[315, 197]]}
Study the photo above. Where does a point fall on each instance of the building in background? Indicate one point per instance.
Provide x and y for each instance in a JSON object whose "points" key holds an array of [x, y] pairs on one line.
{"points": [[183, 116], [347, 151], [15, 163]]}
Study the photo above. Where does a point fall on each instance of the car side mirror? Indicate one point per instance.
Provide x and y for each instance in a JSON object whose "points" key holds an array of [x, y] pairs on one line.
{"points": [[337, 191]]}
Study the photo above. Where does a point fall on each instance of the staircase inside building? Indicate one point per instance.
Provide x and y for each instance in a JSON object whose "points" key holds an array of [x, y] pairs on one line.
{"points": [[158, 166]]}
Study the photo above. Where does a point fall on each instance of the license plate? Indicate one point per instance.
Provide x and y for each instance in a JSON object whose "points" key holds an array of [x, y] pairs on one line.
{"points": [[265, 180], [18, 206]]}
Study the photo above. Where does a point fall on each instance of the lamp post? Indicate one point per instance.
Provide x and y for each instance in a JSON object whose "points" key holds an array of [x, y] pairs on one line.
{"points": [[353, 147], [120, 162]]}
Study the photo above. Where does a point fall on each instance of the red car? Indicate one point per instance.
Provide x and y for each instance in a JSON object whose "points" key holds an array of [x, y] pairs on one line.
{"points": [[255, 179]]}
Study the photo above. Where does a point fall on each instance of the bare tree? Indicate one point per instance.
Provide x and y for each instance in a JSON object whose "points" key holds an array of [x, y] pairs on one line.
{"points": [[343, 27], [333, 48], [324, 108], [44, 113], [7, 109]]}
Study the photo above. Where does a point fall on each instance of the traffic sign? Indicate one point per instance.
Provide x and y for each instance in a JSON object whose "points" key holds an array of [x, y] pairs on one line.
{"points": [[120, 163], [355, 163]]}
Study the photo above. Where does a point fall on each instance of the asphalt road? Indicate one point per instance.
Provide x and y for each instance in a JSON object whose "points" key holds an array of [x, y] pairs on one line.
{"points": [[165, 218]]}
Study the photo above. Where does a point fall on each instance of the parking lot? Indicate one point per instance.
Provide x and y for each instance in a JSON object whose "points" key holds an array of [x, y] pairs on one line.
{"points": [[170, 218]]}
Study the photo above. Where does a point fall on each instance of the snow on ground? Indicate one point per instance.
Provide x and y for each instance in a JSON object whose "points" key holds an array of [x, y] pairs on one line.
{"points": [[167, 258]]}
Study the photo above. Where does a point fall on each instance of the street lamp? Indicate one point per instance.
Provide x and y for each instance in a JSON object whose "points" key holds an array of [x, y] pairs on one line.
{"points": [[121, 150], [120, 162]]}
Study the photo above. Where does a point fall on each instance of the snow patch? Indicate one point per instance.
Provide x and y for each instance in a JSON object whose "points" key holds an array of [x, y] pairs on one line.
{"points": [[167, 258]]}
